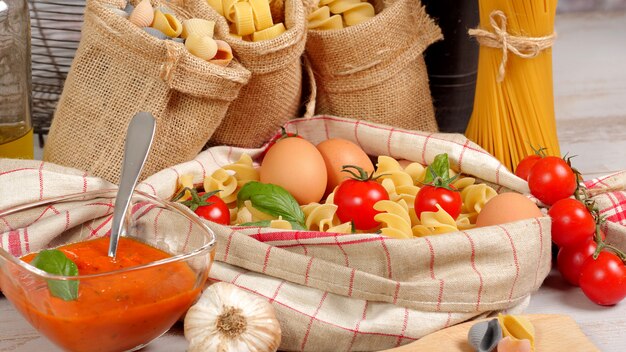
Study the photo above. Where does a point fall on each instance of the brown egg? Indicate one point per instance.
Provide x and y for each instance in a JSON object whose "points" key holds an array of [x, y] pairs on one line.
{"points": [[297, 166], [505, 208], [338, 152]]}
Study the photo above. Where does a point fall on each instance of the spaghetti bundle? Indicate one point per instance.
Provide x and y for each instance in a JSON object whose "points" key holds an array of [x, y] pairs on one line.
{"points": [[514, 101]]}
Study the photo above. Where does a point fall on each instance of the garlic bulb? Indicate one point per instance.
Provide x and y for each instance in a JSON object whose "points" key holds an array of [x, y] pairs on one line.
{"points": [[229, 319]]}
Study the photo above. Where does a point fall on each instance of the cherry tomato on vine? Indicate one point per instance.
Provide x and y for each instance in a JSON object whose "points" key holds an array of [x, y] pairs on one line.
{"points": [[206, 205], [429, 196], [603, 280], [551, 179], [572, 222], [438, 189], [523, 168], [215, 210], [355, 199], [570, 259]]}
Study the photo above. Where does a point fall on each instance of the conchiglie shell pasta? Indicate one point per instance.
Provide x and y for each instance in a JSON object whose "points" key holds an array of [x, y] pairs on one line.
{"points": [[167, 23], [142, 15], [202, 47], [224, 54], [197, 26]]}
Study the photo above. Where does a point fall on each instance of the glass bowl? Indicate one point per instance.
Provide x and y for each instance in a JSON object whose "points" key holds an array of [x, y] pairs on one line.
{"points": [[121, 310]]}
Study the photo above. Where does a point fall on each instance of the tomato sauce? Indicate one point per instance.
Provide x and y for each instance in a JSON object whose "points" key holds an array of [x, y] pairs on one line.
{"points": [[116, 312]]}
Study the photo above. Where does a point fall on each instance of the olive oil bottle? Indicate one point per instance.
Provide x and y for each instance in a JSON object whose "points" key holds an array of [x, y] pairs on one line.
{"points": [[16, 132]]}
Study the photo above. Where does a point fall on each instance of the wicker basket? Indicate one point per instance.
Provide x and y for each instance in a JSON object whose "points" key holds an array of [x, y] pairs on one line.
{"points": [[55, 33]]}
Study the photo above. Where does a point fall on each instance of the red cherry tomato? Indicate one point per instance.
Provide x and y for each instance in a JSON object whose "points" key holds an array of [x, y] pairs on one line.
{"points": [[428, 196], [523, 168], [551, 179], [603, 280], [572, 223], [570, 259], [217, 211], [355, 201]]}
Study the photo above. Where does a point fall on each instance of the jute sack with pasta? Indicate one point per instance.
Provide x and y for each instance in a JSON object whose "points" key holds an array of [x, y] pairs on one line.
{"points": [[273, 94], [119, 69], [375, 70]]}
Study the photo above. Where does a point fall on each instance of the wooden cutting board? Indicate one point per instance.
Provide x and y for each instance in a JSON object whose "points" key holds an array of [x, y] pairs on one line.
{"points": [[554, 333]]}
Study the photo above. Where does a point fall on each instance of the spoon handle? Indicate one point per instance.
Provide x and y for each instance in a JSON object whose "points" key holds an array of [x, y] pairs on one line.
{"points": [[138, 141]]}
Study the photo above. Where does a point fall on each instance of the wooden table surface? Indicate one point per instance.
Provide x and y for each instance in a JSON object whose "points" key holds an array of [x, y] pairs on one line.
{"points": [[590, 93]]}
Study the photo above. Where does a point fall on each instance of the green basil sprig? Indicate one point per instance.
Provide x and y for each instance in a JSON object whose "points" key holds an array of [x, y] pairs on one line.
{"points": [[53, 261], [273, 200]]}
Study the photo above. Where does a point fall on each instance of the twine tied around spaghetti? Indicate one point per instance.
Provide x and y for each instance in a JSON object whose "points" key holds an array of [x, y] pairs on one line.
{"points": [[524, 47]]}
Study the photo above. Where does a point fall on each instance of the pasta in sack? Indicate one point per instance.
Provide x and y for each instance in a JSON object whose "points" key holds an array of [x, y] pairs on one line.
{"points": [[375, 70], [336, 291], [273, 94], [120, 69]]}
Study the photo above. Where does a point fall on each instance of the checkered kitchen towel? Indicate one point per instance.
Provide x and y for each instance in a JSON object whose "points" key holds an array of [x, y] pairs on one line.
{"points": [[336, 292]]}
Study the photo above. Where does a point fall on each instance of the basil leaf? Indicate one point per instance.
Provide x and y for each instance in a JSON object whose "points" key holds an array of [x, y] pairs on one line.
{"points": [[273, 200], [261, 223], [53, 261], [440, 167], [296, 226]]}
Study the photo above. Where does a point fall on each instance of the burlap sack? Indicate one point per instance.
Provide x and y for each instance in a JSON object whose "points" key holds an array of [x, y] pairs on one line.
{"points": [[344, 292], [273, 94], [375, 70], [119, 70]]}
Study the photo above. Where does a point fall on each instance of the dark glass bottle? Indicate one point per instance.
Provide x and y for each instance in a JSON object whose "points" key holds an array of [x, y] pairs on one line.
{"points": [[452, 62]]}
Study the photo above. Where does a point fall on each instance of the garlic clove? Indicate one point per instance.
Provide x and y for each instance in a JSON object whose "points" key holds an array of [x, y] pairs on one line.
{"points": [[229, 319]]}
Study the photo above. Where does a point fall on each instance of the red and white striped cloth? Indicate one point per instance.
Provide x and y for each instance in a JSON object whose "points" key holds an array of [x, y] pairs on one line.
{"points": [[335, 292]]}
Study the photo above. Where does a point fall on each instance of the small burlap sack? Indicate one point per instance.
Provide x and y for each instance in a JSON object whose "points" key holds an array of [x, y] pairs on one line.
{"points": [[119, 70], [273, 94], [375, 70], [336, 292]]}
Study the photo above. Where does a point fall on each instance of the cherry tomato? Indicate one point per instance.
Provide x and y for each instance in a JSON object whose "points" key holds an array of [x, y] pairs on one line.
{"points": [[603, 280], [355, 201], [523, 168], [572, 223], [428, 196], [217, 211], [570, 259], [551, 179]]}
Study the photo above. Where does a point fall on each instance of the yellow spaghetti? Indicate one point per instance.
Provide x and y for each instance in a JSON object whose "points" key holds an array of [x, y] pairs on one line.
{"points": [[514, 104]]}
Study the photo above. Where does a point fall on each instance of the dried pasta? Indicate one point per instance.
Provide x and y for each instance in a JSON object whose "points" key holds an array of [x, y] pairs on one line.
{"points": [[280, 224], [434, 223], [244, 170], [394, 218], [319, 217], [514, 100], [344, 13], [224, 182], [251, 20]]}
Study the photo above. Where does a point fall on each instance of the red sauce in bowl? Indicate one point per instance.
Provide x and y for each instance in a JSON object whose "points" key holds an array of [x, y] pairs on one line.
{"points": [[113, 312]]}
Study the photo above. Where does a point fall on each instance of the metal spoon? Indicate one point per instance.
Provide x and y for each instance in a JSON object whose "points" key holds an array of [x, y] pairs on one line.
{"points": [[139, 138]]}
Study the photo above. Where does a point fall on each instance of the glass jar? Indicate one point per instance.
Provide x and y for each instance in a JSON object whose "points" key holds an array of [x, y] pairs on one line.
{"points": [[16, 131]]}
